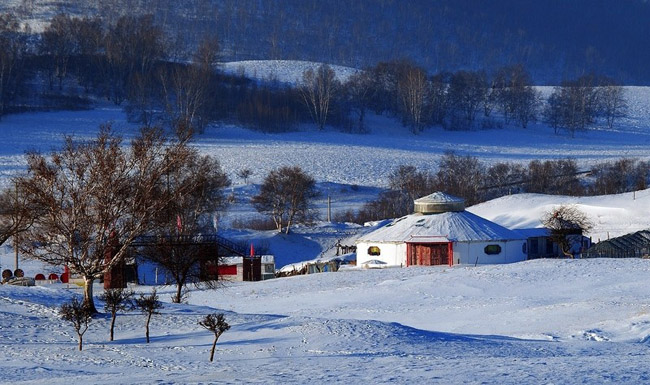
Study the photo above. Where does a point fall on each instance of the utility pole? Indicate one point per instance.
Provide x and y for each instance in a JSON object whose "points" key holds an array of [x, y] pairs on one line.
{"points": [[329, 208]]}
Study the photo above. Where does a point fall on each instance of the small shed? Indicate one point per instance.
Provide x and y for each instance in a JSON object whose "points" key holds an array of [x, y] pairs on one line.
{"points": [[441, 232], [634, 245], [249, 268]]}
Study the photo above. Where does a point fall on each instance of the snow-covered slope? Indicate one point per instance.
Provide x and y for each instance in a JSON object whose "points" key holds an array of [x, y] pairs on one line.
{"points": [[612, 215], [543, 321], [283, 71]]}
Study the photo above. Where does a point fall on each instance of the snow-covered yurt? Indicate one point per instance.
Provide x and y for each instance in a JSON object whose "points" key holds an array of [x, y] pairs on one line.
{"points": [[440, 232]]}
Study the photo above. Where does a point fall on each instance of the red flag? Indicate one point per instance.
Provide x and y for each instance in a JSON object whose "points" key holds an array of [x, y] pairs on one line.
{"points": [[252, 250]]}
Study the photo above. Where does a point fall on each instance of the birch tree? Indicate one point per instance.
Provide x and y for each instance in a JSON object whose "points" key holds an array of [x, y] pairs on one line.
{"points": [[318, 88], [413, 90]]}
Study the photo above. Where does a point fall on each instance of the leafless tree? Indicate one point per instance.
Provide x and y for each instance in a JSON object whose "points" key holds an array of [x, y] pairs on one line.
{"points": [[357, 90], [466, 92], [15, 215], [116, 300], [94, 199], [244, 174], [216, 323], [133, 46], [575, 104], [413, 89], [194, 196], [318, 89], [286, 196], [189, 89], [58, 42], [461, 176], [554, 177], [407, 179], [149, 305], [12, 53], [516, 95], [80, 315], [613, 103], [564, 221], [504, 178]]}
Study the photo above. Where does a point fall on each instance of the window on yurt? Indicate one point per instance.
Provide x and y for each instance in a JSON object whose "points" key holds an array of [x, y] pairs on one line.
{"points": [[492, 249], [374, 250]]}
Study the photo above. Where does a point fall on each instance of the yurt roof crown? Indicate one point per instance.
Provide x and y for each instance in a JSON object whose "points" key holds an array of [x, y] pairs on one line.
{"points": [[437, 203]]}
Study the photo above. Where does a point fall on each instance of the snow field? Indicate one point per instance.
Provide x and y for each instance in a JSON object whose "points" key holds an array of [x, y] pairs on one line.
{"points": [[579, 321]]}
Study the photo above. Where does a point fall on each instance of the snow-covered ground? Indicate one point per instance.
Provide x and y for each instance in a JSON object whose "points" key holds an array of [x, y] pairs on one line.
{"points": [[543, 321], [282, 71]]}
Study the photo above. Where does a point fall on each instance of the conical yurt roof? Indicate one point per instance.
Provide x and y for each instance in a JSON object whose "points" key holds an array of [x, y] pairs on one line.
{"points": [[451, 222]]}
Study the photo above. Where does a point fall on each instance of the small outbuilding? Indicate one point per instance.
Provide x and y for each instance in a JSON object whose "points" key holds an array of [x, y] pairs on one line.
{"points": [[441, 232], [253, 268]]}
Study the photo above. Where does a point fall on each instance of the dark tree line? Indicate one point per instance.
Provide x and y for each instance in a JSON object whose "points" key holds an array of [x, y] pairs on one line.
{"points": [[467, 177], [555, 38], [162, 80]]}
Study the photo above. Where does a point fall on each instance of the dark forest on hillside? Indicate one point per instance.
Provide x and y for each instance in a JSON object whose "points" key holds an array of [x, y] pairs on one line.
{"points": [[555, 39]]}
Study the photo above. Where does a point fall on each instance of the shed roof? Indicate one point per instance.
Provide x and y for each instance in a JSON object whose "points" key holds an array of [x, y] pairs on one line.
{"points": [[630, 245]]}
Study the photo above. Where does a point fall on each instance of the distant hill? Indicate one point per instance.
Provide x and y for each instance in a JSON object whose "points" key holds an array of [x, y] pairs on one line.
{"points": [[554, 39]]}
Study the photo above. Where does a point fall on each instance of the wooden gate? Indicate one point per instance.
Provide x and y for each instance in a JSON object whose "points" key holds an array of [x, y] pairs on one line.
{"points": [[428, 254]]}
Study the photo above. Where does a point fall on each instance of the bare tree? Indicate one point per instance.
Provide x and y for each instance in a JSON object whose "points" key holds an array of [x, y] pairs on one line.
{"points": [[613, 103], [15, 214], [12, 53], [563, 222], [515, 94], [79, 314], [58, 42], [574, 105], [466, 92], [461, 176], [194, 190], [318, 89], [116, 300], [94, 199], [554, 177], [149, 305], [407, 179], [357, 91], [133, 46], [244, 174], [286, 196], [216, 323], [413, 89]]}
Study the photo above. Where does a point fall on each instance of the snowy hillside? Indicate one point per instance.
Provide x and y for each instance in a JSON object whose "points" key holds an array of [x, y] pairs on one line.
{"points": [[543, 321], [283, 71], [612, 215]]}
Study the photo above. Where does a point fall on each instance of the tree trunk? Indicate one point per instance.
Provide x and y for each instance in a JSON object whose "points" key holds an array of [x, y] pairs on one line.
{"points": [[179, 292], [214, 345], [88, 294], [147, 327], [81, 339], [112, 324]]}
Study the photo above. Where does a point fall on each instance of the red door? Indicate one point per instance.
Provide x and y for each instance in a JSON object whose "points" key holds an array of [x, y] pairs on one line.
{"points": [[429, 254]]}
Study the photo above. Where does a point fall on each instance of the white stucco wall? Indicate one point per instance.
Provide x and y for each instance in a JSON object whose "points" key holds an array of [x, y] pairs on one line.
{"points": [[465, 253], [470, 253], [393, 254]]}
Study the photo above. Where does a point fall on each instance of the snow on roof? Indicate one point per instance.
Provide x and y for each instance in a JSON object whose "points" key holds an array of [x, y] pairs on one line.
{"points": [[459, 226], [438, 202]]}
